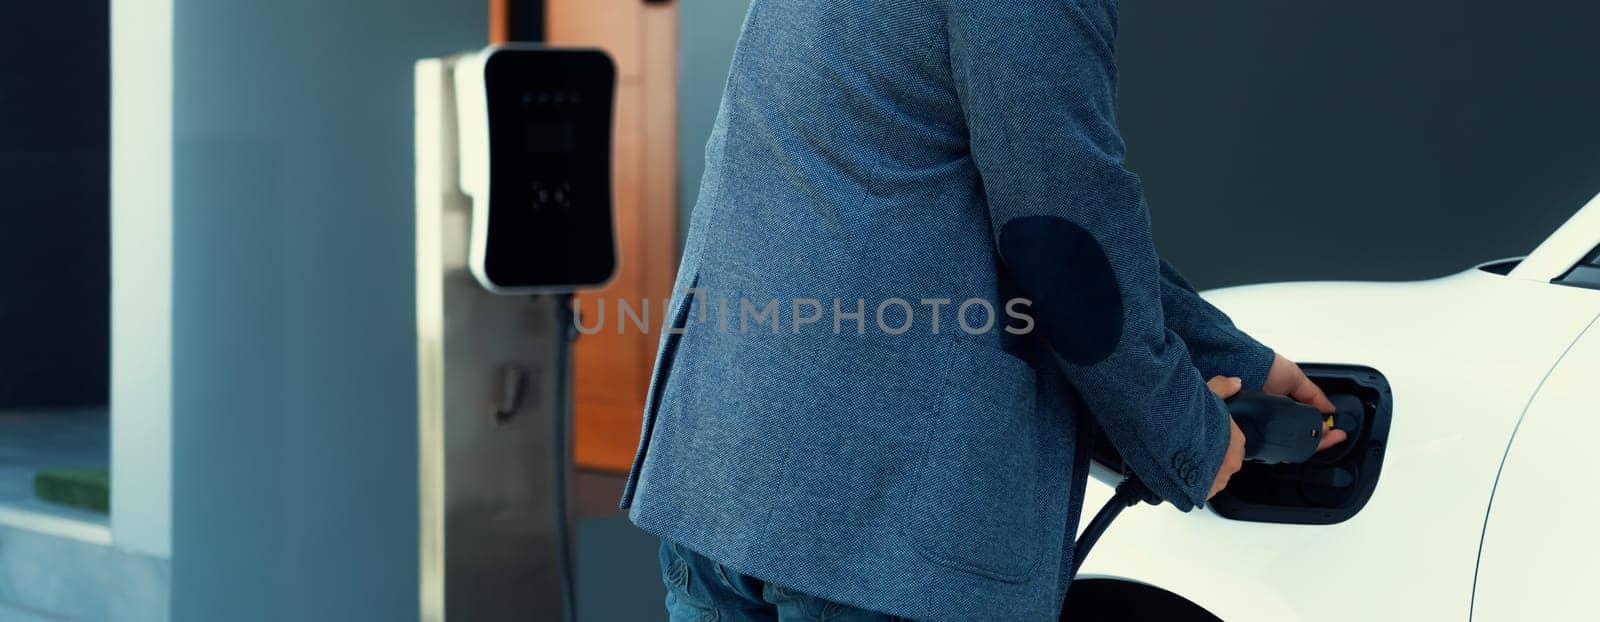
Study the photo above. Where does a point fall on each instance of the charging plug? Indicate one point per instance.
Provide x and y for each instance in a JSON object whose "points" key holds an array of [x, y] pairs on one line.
{"points": [[1276, 429]]}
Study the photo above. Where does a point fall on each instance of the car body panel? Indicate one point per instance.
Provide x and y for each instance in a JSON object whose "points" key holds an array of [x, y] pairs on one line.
{"points": [[1541, 547], [1564, 248], [1463, 354]]}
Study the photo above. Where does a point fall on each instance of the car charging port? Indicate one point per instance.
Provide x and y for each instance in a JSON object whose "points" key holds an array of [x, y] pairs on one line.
{"points": [[1335, 484]]}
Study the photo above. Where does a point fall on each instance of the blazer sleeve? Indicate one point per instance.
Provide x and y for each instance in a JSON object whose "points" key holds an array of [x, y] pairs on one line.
{"points": [[1036, 83], [1218, 347]]}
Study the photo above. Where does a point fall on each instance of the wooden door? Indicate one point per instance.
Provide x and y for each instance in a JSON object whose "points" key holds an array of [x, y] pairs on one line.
{"points": [[613, 370]]}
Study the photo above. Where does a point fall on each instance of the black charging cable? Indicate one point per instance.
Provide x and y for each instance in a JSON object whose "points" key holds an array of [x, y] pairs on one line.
{"points": [[1129, 493], [566, 334], [1277, 430]]}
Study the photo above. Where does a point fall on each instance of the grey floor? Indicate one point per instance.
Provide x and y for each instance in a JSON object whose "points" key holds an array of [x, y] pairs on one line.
{"points": [[617, 576], [617, 573], [11, 614], [31, 440]]}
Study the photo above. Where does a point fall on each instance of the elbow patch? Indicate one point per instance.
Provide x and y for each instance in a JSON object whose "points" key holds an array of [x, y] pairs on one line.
{"points": [[1068, 276]]}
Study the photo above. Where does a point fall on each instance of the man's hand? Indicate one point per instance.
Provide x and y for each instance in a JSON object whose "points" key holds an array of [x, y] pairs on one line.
{"points": [[1225, 387], [1286, 378]]}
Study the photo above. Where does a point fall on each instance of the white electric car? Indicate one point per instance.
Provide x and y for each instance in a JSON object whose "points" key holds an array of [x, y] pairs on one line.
{"points": [[1470, 491]]}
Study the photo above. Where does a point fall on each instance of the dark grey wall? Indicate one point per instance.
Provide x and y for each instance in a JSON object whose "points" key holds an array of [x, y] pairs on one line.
{"points": [[55, 240], [294, 394], [1358, 140], [1320, 139]]}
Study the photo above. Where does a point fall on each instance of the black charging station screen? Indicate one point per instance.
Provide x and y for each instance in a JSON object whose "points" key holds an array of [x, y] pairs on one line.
{"points": [[551, 137], [549, 168]]}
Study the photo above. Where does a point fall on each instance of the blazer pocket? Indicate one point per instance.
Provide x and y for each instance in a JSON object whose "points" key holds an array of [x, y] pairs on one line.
{"points": [[977, 507]]}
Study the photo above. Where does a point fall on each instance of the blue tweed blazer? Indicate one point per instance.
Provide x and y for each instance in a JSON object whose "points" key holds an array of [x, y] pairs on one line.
{"points": [[917, 277]]}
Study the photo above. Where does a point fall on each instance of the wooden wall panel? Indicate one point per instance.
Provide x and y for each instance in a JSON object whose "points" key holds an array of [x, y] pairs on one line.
{"points": [[499, 21], [516, 20], [612, 369]]}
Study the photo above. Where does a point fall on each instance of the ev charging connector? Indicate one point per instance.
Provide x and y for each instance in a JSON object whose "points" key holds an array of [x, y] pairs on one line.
{"points": [[1277, 430]]}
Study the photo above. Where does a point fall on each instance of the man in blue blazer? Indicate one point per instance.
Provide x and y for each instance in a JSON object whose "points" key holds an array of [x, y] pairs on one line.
{"points": [[917, 277]]}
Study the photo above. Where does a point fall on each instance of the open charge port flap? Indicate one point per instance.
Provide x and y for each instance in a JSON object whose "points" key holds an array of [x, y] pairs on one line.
{"points": [[1334, 485]]}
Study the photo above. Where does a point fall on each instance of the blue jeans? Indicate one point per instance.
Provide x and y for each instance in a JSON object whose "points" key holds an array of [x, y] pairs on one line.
{"points": [[701, 590]]}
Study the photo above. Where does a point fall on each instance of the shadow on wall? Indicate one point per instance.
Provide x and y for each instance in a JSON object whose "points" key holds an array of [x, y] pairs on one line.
{"points": [[1372, 140]]}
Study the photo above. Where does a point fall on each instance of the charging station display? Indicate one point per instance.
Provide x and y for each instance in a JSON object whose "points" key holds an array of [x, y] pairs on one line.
{"points": [[549, 223]]}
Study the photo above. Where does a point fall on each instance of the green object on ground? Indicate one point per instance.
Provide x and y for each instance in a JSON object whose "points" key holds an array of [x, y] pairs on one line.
{"points": [[87, 489]]}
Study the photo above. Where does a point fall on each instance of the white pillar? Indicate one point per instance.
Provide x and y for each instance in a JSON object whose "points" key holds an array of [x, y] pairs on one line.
{"points": [[141, 276]]}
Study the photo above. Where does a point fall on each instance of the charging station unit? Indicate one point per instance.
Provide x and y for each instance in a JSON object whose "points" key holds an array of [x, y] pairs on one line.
{"points": [[513, 192]]}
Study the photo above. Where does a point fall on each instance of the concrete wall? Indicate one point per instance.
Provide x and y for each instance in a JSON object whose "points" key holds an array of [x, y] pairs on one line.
{"points": [[1319, 139], [293, 359], [707, 31]]}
